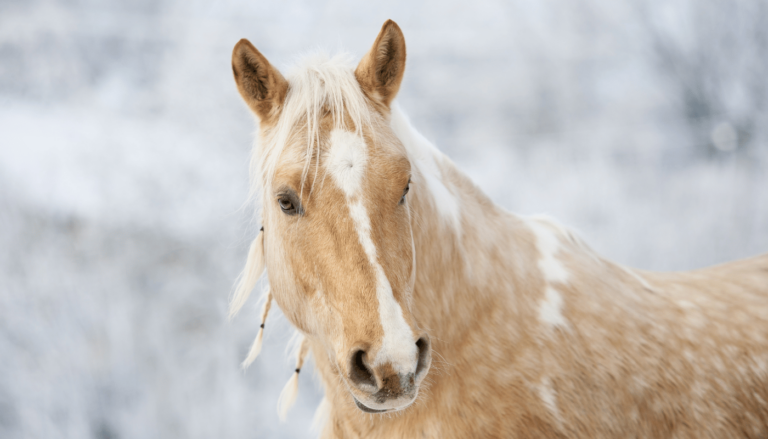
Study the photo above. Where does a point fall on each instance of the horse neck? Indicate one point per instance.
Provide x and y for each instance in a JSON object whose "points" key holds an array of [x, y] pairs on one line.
{"points": [[470, 254]]}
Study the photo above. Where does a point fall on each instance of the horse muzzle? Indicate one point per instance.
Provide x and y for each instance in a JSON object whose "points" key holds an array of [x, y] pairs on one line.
{"points": [[387, 387]]}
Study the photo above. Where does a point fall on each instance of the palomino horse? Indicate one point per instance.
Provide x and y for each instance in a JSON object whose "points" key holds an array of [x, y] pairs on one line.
{"points": [[386, 258]]}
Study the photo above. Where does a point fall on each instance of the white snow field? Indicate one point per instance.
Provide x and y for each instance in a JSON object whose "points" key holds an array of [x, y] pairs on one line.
{"points": [[123, 175]]}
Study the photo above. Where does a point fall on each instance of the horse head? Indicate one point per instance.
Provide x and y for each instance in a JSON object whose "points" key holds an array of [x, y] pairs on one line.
{"points": [[337, 215]]}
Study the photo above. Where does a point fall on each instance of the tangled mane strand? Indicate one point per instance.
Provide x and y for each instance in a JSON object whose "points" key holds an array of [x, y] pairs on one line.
{"points": [[316, 85]]}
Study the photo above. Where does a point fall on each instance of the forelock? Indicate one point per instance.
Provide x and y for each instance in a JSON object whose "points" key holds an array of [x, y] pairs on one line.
{"points": [[319, 86]]}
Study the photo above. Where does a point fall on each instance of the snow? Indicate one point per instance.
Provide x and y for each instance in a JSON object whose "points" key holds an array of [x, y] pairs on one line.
{"points": [[124, 166]]}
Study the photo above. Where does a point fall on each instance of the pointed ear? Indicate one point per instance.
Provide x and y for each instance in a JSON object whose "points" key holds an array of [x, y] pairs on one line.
{"points": [[262, 87], [380, 72]]}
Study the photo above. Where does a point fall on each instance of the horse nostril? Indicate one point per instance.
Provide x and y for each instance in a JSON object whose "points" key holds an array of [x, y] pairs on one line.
{"points": [[425, 355], [360, 373]]}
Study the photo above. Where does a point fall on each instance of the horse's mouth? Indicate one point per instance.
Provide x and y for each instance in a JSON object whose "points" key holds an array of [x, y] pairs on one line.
{"points": [[368, 409]]}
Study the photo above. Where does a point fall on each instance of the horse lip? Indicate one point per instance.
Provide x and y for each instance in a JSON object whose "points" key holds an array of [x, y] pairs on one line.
{"points": [[367, 409]]}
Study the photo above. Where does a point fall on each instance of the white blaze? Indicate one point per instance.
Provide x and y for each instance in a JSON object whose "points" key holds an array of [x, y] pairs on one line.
{"points": [[346, 163]]}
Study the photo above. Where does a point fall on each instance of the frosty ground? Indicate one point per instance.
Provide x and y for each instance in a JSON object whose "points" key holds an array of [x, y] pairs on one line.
{"points": [[123, 177]]}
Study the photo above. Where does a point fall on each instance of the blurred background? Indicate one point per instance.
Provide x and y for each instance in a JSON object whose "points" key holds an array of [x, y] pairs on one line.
{"points": [[123, 175]]}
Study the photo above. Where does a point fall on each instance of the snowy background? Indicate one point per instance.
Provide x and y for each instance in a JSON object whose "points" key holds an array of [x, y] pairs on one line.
{"points": [[123, 175]]}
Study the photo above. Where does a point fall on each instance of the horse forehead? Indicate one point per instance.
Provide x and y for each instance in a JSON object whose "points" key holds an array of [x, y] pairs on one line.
{"points": [[363, 165], [352, 159], [347, 161]]}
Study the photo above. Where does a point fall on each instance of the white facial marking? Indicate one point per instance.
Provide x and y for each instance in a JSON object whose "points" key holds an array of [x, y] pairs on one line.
{"points": [[346, 164], [425, 157], [346, 161], [550, 309]]}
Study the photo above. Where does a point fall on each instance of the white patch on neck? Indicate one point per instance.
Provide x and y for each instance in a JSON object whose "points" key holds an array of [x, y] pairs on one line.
{"points": [[425, 157], [547, 395], [548, 245], [346, 163], [550, 309], [553, 271]]}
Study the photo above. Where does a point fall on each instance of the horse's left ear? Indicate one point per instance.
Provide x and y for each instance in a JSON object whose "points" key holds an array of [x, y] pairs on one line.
{"points": [[380, 72]]}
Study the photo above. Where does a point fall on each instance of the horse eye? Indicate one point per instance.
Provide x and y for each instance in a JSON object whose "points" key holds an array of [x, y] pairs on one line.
{"points": [[405, 192], [286, 205]]}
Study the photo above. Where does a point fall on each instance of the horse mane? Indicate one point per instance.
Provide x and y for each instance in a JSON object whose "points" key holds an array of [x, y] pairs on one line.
{"points": [[318, 85]]}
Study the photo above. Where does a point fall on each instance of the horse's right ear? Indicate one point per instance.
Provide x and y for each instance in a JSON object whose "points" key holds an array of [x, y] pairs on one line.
{"points": [[262, 87]]}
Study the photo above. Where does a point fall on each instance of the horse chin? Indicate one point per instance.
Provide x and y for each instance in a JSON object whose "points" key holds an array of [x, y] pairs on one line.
{"points": [[367, 409]]}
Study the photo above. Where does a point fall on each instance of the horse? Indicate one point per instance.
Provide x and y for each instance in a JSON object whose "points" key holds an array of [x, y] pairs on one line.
{"points": [[431, 312]]}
